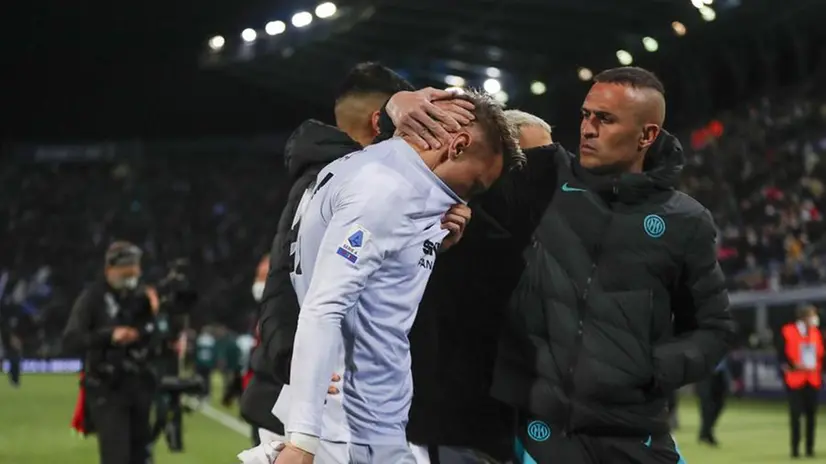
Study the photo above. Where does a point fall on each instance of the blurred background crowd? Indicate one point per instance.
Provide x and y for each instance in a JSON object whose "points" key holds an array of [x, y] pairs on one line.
{"points": [[761, 171]]}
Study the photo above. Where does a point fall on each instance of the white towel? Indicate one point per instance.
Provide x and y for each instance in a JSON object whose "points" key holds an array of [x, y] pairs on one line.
{"points": [[265, 453]]}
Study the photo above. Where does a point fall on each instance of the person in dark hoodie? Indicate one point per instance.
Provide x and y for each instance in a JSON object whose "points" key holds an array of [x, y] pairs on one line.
{"points": [[619, 300], [311, 147]]}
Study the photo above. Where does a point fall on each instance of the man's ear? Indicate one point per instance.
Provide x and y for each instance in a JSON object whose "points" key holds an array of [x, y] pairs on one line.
{"points": [[461, 141], [649, 135], [374, 122]]}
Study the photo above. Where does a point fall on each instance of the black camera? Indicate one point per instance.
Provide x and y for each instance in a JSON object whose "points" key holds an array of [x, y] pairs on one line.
{"points": [[175, 291]]}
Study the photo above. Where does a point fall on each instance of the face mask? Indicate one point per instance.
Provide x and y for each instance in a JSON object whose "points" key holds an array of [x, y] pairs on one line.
{"points": [[127, 283], [130, 283], [814, 321], [258, 290]]}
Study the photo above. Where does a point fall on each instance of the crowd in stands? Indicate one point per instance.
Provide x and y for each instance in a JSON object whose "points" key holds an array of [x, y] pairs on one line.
{"points": [[60, 216], [760, 170]]}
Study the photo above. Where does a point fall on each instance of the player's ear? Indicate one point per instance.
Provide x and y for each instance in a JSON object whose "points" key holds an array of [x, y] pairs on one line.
{"points": [[374, 122], [461, 141]]}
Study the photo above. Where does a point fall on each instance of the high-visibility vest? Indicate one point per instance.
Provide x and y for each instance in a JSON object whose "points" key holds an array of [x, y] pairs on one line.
{"points": [[795, 342]]}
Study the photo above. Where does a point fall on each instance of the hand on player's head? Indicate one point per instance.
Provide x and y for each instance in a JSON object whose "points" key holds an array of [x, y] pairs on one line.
{"points": [[428, 116], [476, 154]]}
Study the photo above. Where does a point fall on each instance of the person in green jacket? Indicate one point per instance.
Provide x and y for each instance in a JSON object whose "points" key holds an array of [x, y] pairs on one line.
{"points": [[205, 357]]}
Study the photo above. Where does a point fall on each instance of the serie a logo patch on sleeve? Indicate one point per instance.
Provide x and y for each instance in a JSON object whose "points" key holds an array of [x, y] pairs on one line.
{"points": [[357, 237]]}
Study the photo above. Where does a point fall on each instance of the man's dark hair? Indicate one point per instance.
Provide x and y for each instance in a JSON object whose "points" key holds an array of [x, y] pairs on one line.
{"points": [[633, 76], [499, 133], [372, 78]]}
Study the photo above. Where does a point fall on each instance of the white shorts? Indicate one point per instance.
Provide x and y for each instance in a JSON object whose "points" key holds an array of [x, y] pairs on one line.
{"points": [[351, 453]]}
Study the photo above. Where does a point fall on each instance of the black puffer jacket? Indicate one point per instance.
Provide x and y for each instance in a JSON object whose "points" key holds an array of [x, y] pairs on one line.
{"points": [[621, 301], [311, 147]]}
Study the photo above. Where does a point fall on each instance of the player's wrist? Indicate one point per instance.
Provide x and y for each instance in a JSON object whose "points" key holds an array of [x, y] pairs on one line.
{"points": [[304, 442]]}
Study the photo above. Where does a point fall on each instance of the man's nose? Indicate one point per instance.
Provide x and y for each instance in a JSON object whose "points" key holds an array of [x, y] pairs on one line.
{"points": [[588, 130]]}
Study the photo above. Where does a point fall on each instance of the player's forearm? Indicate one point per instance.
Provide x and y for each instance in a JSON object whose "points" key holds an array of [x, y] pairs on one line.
{"points": [[315, 351]]}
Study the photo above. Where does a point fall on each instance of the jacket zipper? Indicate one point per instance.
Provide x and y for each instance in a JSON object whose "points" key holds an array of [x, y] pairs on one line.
{"points": [[582, 302], [582, 306]]}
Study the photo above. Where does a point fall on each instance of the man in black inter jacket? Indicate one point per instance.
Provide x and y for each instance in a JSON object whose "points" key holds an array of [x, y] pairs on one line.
{"points": [[111, 324], [621, 300]]}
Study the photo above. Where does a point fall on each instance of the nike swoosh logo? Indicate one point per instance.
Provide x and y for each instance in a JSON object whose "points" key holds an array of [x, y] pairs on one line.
{"points": [[566, 188]]}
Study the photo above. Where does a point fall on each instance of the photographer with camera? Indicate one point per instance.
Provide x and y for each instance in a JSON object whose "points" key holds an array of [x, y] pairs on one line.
{"points": [[112, 323]]}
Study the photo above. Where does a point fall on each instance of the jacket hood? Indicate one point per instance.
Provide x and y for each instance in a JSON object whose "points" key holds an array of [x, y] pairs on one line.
{"points": [[661, 172], [316, 143]]}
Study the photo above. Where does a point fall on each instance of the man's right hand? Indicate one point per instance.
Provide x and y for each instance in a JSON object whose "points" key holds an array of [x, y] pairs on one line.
{"points": [[428, 124], [291, 454], [123, 335]]}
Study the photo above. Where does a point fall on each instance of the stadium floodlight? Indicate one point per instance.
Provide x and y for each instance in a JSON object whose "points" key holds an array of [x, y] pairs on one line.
{"points": [[501, 96], [492, 86], [216, 43], [249, 35], [275, 27], [325, 10], [624, 57], [493, 73], [650, 44], [302, 19], [538, 88], [679, 28], [585, 74], [455, 81], [697, 3], [708, 13]]}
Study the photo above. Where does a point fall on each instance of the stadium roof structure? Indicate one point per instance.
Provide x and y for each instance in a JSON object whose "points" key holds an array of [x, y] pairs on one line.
{"points": [[540, 53], [85, 71]]}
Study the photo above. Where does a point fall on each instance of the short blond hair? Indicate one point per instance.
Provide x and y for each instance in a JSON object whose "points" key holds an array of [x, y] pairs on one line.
{"points": [[519, 119]]}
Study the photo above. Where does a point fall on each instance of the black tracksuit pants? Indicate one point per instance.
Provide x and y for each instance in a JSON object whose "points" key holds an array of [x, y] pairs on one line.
{"points": [[803, 402], [169, 420], [14, 368], [712, 393], [536, 443], [121, 418]]}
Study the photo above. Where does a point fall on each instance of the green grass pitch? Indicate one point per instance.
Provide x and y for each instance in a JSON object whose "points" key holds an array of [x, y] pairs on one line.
{"points": [[34, 429]]}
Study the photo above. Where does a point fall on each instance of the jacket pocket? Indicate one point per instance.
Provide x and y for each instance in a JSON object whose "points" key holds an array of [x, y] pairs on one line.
{"points": [[618, 349]]}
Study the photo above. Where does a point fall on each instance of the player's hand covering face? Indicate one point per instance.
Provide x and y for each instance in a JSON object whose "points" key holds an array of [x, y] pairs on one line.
{"points": [[455, 221], [427, 124]]}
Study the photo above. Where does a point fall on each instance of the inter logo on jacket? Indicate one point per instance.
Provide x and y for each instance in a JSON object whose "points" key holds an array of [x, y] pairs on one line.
{"points": [[654, 226]]}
